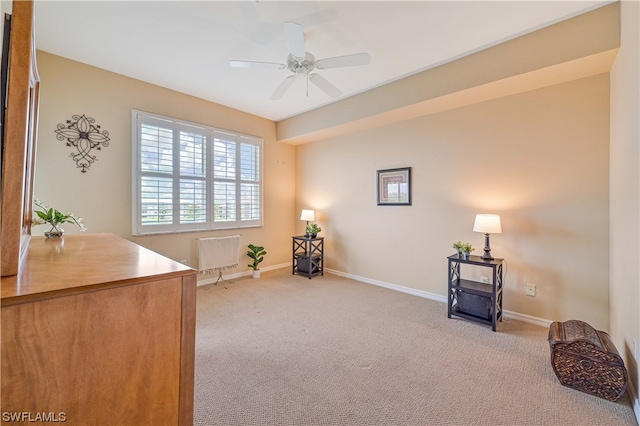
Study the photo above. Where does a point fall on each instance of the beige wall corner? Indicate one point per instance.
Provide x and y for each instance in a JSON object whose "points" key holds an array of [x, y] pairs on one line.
{"points": [[625, 194]]}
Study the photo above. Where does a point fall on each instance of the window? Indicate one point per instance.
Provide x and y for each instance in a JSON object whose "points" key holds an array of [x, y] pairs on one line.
{"points": [[189, 177]]}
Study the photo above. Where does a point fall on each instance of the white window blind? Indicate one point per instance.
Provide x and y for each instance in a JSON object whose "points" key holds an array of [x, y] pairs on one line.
{"points": [[189, 177]]}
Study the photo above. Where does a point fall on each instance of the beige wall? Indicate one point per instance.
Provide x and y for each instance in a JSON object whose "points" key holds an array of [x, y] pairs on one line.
{"points": [[625, 192], [539, 159], [5, 7], [102, 195]]}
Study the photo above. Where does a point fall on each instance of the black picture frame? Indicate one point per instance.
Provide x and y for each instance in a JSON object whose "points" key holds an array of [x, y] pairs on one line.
{"points": [[394, 187]]}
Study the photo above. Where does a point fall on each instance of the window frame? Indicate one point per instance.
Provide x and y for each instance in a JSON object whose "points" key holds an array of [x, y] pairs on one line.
{"points": [[138, 118]]}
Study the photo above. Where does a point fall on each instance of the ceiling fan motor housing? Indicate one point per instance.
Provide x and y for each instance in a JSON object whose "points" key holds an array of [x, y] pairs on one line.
{"points": [[301, 67]]}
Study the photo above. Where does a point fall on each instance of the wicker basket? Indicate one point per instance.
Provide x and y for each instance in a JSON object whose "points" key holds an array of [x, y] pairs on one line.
{"points": [[303, 264], [586, 360], [473, 304]]}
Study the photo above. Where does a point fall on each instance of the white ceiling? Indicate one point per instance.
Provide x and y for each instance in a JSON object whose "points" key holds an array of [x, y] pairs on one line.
{"points": [[186, 45]]}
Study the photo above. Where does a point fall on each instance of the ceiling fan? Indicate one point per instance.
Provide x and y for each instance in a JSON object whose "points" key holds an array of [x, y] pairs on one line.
{"points": [[302, 64]]}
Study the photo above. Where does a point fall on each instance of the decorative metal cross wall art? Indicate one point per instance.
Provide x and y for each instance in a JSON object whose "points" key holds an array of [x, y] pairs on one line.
{"points": [[84, 136]]}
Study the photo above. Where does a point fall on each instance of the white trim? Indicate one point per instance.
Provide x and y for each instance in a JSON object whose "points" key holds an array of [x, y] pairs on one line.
{"points": [[214, 277], [437, 297], [396, 287], [542, 322], [634, 400]]}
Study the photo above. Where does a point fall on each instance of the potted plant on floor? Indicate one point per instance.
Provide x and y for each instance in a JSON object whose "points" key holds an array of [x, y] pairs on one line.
{"points": [[256, 253]]}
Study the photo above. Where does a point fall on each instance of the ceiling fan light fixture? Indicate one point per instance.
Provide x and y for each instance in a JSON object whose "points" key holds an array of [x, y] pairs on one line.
{"points": [[301, 67]]}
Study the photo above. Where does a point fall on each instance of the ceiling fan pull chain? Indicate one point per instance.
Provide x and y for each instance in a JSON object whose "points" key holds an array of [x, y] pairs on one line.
{"points": [[307, 85]]}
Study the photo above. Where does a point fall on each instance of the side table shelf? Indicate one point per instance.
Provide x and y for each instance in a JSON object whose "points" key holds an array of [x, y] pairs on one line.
{"points": [[308, 256], [473, 300]]}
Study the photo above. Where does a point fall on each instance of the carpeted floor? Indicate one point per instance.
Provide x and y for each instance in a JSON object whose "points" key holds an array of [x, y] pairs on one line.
{"points": [[286, 350]]}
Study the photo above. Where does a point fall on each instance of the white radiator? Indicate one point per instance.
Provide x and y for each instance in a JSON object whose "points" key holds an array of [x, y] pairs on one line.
{"points": [[218, 254]]}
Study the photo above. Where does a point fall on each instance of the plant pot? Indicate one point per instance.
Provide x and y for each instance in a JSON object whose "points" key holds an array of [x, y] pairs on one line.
{"points": [[55, 232], [256, 273]]}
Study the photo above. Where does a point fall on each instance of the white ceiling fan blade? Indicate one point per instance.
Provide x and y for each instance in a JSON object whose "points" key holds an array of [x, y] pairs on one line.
{"points": [[295, 37], [284, 86], [324, 85], [344, 61], [255, 64]]}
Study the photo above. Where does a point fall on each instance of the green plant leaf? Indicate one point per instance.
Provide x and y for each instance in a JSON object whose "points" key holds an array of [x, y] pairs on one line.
{"points": [[42, 215]]}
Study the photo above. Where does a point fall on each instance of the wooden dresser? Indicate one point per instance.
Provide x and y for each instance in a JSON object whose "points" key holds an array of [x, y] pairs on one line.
{"points": [[98, 330]]}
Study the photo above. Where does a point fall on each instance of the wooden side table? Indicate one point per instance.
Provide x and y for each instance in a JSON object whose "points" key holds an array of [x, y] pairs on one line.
{"points": [[308, 256]]}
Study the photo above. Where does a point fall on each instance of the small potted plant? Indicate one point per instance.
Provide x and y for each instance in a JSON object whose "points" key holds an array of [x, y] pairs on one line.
{"points": [[313, 230], [466, 250], [458, 247], [256, 253], [54, 218]]}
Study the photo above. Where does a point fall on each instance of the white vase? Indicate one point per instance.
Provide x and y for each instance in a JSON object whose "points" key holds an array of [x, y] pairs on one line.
{"points": [[256, 273]]}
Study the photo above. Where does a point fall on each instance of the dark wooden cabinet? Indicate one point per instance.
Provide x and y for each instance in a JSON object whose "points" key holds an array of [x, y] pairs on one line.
{"points": [[474, 300], [308, 256]]}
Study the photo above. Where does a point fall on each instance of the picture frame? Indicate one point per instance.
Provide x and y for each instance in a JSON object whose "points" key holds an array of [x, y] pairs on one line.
{"points": [[394, 187]]}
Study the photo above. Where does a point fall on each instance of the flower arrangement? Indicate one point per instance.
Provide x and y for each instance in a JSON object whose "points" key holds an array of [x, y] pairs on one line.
{"points": [[54, 218]]}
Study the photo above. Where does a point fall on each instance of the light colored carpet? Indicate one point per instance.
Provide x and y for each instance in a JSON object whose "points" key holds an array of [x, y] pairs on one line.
{"points": [[286, 350]]}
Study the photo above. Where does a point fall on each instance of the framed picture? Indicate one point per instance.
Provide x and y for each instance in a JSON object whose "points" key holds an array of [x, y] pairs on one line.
{"points": [[394, 187]]}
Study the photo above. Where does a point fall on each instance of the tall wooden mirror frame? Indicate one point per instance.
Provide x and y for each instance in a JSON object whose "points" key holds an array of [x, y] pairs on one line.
{"points": [[20, 132]]}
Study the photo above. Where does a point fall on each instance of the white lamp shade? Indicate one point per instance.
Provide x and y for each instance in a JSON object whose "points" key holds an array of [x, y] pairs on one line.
{"points": [[308, 215], [488, 224]]}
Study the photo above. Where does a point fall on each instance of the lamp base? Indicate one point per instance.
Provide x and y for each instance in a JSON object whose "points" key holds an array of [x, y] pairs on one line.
{"points": [[487, 248], [487, 255]]}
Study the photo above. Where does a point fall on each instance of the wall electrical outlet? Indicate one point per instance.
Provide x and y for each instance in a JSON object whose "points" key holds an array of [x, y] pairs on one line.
{"points": [[530, 290], [484, 280], [635, 348], [183, 261]]}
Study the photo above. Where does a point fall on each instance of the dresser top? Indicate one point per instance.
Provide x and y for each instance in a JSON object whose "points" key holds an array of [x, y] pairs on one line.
{"points": [[84, 262]]}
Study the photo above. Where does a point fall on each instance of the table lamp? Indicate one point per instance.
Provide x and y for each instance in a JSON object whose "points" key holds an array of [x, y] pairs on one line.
{"points": [[487, 224], [308, 215]]}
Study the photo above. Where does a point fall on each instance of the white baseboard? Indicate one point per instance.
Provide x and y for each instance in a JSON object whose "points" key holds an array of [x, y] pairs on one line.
{"points": [[214, 277], [396, 287], [633, 394], [437, 297], [527, 318]]}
